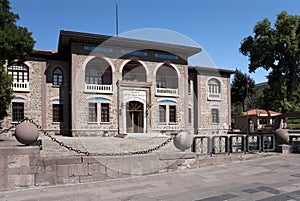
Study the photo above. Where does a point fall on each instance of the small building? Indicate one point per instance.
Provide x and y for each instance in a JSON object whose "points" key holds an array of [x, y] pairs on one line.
{"points": [[261, 119], [96, 84]]}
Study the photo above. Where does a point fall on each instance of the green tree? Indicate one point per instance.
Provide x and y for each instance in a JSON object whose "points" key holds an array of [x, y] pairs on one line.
{"points": [[242, 89], [16, 43], [276, 49]]}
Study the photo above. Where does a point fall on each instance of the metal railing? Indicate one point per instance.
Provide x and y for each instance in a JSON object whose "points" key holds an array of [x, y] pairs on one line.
{"points": [[233, 143]]}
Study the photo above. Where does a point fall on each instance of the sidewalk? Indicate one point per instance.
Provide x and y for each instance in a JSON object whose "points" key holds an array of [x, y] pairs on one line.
{"points": [[270, 178]]}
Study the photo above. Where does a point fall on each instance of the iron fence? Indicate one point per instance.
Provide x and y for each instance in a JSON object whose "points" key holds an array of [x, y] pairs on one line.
{"points": [[233, 143]]}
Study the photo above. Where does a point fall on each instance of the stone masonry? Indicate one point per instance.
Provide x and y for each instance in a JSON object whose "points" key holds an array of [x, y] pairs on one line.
{"points": [[22, 167]]}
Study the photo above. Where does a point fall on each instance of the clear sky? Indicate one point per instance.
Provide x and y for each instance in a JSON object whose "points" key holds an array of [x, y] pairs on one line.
{"points": [[217, 26]]}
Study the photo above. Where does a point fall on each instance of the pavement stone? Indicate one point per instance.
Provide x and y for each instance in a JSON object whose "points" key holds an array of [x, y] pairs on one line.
{"points": [[269, 178]]}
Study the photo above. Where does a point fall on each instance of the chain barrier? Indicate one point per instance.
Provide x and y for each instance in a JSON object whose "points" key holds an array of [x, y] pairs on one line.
{"points": [[87, 153], [5, 130]]}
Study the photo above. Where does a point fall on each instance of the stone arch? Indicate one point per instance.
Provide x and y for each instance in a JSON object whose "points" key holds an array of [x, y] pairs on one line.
{"points": [[89, 58], [167, 64], [167, 76], [134, 69], [98, 71]]}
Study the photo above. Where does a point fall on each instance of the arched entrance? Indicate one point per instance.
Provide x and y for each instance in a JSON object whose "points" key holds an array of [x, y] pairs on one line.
{"points": [[134, 117]]}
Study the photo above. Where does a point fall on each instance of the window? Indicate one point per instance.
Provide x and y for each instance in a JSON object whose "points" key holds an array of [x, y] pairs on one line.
{"points": [[98, 72], [215, 115], [166, 77], [134, 71], [93, 76], [17, 112], [162, 113], [57, 77], [19, 72], [104, 112], [189, 87], [214, 86], [167, 114], [92, 112], [214, 89], [172, 113], [190, 115], [160, 81], [57, 113]]}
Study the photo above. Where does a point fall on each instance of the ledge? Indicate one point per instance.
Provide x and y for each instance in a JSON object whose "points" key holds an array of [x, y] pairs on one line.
{"points": [[20, 150]]}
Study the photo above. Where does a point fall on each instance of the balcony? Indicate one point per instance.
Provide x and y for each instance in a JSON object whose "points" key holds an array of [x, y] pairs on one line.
{"points": [[20, 86], [95, 88], [166, 92]]}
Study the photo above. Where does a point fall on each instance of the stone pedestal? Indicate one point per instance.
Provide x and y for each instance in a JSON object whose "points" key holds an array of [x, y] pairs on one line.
{"points": [[284, 148], [296, 146], [18, 166]]}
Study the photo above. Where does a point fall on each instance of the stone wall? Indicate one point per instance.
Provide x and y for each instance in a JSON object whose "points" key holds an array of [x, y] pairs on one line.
{"points": [[80, 99], [223, 105], [19, 167], [60, 93], [38, 100], [23, 167], [32, 100]]}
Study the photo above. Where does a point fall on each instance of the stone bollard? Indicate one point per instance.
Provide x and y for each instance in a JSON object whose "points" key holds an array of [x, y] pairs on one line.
{"points": [[282, 136], [26, 133], [183, 140]]}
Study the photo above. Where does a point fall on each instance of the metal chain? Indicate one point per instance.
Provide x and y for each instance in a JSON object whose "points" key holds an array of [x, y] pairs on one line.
{"points": [[13, 126], [87, 153], [7, 129]]}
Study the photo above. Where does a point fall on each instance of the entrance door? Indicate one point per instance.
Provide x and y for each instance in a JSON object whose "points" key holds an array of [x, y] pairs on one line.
{"points": [[135, 117]]}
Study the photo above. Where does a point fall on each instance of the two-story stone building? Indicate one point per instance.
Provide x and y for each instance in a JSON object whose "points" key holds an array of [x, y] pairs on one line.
{"points": [[95, 85]]}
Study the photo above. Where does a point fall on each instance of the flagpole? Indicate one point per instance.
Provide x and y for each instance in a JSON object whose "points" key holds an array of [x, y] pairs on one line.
{"points": [[117, 21]]}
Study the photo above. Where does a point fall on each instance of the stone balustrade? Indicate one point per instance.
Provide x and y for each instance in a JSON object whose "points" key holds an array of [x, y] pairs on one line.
{"points": [[95, 88], [166, 92], [20, 86]]}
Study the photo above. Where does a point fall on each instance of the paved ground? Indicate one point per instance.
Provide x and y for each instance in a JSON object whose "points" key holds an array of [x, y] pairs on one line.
{"points": [[94, 144], [271, 178]]}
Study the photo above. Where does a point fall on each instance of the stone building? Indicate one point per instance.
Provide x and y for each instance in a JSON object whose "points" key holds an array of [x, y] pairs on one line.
{"points": [[97, 85]]}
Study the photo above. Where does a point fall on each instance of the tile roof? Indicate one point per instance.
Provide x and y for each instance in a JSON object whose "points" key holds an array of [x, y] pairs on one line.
{"points": [[260, 112]]}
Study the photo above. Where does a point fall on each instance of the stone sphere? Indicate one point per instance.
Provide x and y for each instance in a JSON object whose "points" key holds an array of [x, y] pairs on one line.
{"points": [[183, 140], [282, 136], [26, 133]]}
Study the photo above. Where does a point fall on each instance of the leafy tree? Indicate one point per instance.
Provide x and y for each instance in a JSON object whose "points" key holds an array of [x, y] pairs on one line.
{"points": [[5, 92], [15, 43], [242, 89], [277, 49]]}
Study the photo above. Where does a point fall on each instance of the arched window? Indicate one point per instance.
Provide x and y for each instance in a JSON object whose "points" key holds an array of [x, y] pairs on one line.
{"points": [[214, 89], [98, 72], [214, 86], [19, 72], [134, 71], [57, 77], [166, 77]]}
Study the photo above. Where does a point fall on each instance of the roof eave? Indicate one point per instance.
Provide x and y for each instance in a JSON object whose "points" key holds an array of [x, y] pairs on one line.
{"points": [[66, 37]]}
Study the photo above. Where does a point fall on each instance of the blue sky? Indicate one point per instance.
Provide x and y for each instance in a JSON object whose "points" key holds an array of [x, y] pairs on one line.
{"points": [[217, 26]]}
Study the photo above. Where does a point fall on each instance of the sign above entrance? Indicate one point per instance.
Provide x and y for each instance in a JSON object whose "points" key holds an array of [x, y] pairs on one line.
{"points": [[134, 95]]}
